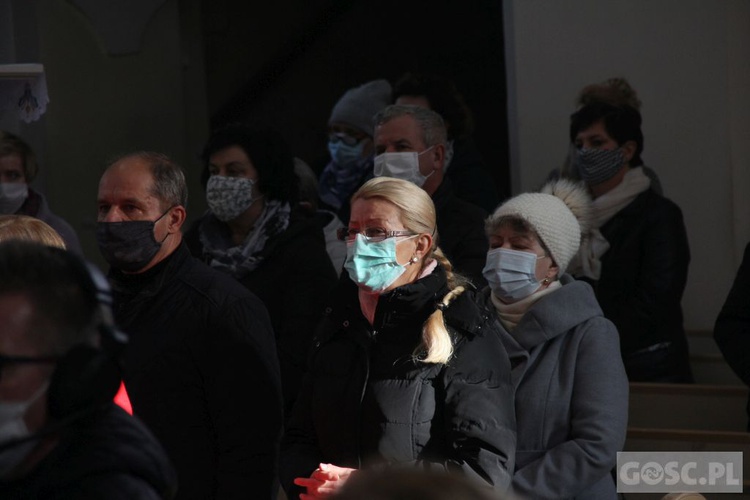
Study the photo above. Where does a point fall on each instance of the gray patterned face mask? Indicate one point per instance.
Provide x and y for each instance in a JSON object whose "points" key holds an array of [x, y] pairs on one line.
{"points": [[228, 197], [598, 165]]}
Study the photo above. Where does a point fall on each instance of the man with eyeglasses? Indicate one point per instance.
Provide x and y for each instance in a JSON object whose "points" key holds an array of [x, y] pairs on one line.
{"points": [[61, 436], [410, 145], [201, 367], [350, 131]]}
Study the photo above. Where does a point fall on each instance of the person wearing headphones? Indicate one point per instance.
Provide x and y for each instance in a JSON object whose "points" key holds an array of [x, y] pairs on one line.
{"points": [[61, 436]]}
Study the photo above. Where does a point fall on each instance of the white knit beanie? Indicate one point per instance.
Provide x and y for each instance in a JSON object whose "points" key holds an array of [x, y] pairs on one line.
{"points": [[357, 107], [559, 214]]}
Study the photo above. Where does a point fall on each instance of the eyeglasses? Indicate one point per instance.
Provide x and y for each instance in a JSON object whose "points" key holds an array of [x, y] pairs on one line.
{"points": [[345, 138], [372, 234], [15, 360]]}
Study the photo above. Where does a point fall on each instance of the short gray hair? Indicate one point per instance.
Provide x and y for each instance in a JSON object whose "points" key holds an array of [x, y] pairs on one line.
{"points": [[431, 123], [170, 187]]}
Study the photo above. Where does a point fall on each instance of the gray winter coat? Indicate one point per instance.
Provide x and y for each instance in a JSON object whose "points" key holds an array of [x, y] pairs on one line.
{"points": [[571, 396]]}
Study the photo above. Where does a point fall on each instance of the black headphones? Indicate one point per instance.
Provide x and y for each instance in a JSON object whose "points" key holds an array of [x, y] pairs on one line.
{"points": [[88, 376]]}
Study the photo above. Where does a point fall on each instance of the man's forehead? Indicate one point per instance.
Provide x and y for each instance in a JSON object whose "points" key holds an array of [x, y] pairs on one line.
{"points": [[402, 128], [128, 178]]}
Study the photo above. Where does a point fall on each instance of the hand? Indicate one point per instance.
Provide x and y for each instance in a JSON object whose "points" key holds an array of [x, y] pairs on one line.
{"points": [[324, 481]]}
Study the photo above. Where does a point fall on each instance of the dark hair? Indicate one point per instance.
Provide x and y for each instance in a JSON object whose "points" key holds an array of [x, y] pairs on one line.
{"points": [[12, 144], [623, 123], [169, 187], [269, 153], [444, 98], [62, 295]]}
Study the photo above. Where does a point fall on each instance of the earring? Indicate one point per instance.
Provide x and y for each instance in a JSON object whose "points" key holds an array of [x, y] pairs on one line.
{"points": [[546, 281], [414, 259]]}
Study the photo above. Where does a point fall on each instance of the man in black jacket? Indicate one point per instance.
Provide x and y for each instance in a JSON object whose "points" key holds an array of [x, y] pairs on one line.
{"points": [[201, 367], [61, 436], [410, 145]]}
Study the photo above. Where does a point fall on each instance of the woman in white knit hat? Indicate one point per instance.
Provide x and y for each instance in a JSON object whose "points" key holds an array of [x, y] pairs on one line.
{"points": [[571, 388]]}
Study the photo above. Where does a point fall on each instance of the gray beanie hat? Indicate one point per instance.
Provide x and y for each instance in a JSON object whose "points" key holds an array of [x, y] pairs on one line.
{"points": [[358, 106], [559, 214]]}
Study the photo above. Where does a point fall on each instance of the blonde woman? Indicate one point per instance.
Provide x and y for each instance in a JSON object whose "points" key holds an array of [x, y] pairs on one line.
{"points": [[405, 369]]}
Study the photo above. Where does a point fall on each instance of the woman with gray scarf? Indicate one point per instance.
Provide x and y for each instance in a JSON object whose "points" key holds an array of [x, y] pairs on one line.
{"points": [[256, 231]]}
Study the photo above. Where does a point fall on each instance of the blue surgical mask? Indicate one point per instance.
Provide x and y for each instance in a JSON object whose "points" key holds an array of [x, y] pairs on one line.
{"points": [[511, 274], [373, 265], [598, 165], [343, 154]]}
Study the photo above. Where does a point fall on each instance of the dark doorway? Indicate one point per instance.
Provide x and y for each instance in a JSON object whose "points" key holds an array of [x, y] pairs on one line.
{"points": [[285, 64]]}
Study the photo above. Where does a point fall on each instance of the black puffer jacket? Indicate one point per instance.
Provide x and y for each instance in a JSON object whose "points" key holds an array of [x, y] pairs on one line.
{"points": [[366, 402], [642, 280], [108, 455]]}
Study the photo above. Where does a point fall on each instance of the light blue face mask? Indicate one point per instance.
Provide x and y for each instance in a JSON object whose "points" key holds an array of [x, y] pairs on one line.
{"points": [[511, 274], [373, 265], [343, 154]]}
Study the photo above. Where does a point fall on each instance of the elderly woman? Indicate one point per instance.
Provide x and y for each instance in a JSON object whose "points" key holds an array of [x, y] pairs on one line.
{"points": [[636, 256], [256, 231], [571, 389], [405, 367]]}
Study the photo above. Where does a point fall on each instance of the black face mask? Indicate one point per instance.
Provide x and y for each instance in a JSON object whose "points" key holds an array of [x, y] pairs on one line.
{"points": [[129, 245]]}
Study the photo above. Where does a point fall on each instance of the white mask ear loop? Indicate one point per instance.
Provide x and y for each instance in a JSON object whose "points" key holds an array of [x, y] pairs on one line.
{"points": [[425, 177], [423, 152], [413, 258]]}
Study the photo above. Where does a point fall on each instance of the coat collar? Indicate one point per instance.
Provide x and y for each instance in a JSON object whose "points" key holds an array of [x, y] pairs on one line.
{"points": [[554, 314], [406, 307]]}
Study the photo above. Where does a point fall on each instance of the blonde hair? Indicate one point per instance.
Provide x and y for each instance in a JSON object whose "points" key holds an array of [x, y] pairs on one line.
{"points": [[417, 214], [26, 228]]}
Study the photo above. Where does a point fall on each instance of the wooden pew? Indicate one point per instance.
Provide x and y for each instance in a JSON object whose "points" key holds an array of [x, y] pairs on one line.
{"points": [[689, 417], [688, 406], [706, 360]]}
